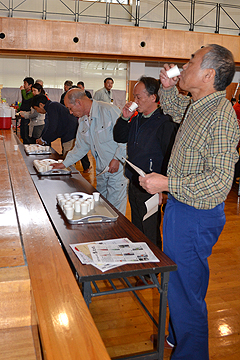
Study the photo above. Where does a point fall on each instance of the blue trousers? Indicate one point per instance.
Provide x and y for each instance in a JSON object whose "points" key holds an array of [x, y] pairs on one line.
{"points": [[188, 237]]}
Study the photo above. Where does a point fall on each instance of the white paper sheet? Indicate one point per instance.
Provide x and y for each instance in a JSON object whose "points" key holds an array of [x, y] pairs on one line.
{"points": [[103, 171], [137, 169], [152, 206]]}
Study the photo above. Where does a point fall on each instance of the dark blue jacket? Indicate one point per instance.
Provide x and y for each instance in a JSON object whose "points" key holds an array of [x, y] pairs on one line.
{"points": [[149, 140], [59, 123]]}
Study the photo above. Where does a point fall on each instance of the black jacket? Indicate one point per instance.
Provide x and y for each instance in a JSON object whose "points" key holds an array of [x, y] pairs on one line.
{"points": [[149, 140]]}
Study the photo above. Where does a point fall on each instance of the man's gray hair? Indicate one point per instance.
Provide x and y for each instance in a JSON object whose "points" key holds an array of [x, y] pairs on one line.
{"points": [[74, 94], [221, 60]]}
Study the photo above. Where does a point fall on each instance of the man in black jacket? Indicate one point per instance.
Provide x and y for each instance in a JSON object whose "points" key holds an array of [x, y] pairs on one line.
{"points": [[150, 136], [59, 123]]}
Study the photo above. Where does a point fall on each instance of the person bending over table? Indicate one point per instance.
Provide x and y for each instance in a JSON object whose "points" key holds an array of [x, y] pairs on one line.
{"points": [[95, 133], [59, 123], [199, 178]]}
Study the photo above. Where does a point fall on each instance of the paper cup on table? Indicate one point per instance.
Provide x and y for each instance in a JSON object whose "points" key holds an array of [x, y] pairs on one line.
{"points": [[96, 196], [88, 204], [84, 208], [69, 211], [91, 203], [77, 206], [133, 107], [15, 147], [173, 72]]}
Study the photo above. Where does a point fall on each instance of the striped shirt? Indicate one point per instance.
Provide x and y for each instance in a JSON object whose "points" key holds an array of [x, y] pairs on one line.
{"points": [[201, 167]]}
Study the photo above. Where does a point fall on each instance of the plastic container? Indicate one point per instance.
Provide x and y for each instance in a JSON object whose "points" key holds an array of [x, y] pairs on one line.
{"points": [[5, 116]]}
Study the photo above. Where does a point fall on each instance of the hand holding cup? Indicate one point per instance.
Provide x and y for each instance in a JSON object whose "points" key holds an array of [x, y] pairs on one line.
{"points": [[169, 76]]}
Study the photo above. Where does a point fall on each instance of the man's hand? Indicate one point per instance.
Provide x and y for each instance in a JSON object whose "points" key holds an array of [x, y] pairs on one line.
{"points": [[113, 166], [165, 81], [22, 113], [39, 141], [21, 87], [154, 183], [126, 113], [58, 166]]}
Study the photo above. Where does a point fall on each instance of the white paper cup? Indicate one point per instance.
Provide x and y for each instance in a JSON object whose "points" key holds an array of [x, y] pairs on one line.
{"points": [[91, 203], [84, 208], [67, 195], [62, 202], [88, 204], [15, 147], [96, 196], [76, 197], [133, 107], [69, 211], [77, 206], [174, 71]]}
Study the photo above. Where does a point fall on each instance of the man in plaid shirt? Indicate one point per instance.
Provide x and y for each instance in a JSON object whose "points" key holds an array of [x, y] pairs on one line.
{"points": [[199, 178]]}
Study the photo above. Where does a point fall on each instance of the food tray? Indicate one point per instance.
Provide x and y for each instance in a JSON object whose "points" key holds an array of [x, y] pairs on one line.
{"points": [[44, 167], [36, 149], [101, 213]]}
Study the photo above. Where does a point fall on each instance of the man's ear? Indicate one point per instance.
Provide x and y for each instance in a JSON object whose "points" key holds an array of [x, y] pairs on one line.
{"points": [[209, 75]]}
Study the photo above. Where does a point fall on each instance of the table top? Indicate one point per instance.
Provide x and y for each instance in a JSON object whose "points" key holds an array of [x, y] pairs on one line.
{"points": [[49, 186]]}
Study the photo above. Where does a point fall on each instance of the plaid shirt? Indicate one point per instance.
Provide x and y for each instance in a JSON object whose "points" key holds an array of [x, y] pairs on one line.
{"points": [[201, 167]]}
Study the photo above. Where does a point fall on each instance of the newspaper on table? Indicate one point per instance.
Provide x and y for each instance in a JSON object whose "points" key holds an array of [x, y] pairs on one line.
{"points": [[118, 251], [84, 254], [121, 253]]}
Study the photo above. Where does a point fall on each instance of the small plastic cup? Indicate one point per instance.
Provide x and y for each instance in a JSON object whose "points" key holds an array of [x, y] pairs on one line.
{"points": [[91, 203], [69, 211], [77, 206], [96, 196], [173, 72], [15, 147], [84, 208], [88, 204], [133, 107]]}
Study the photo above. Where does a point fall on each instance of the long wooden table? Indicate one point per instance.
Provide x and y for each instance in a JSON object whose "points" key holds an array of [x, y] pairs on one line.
{"points": [[48, 187], [60, 316]]}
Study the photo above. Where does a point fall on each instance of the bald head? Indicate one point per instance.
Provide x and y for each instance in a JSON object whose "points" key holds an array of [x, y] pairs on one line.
{"points": [[77, 102], [73, 94]]}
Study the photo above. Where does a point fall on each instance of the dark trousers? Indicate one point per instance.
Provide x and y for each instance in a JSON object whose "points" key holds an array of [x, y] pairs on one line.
{"points": [[151, 226], [36, 134], [189, 235], [85, 162], [24, 130]]}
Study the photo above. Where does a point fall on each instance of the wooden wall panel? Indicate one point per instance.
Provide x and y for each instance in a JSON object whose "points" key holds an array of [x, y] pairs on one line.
{"points": [[45, 37], [16, 34]]}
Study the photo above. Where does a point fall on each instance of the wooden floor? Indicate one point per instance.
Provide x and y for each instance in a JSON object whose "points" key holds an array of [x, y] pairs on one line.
{"points": [[125, 327]]}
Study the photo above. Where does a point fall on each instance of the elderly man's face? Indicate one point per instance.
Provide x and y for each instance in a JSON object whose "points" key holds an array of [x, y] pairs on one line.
{"points": [[192, 74], [145, 101], [108, 85], [76, 109]]}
